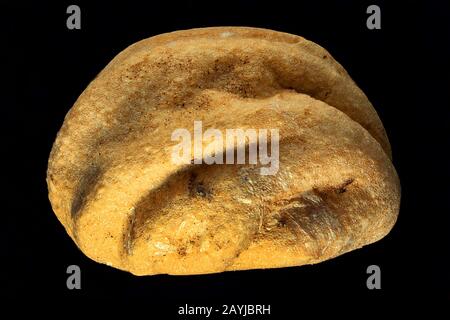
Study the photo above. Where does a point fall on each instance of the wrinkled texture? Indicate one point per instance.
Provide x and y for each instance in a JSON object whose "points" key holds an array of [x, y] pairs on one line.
{"points": [[113, 186]]}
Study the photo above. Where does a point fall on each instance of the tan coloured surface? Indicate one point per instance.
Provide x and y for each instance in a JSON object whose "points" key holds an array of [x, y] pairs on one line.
{"points": [[113, 186]]}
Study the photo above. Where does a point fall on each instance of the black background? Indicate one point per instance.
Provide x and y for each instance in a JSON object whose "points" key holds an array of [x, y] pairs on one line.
{"points": [[403, 68]]}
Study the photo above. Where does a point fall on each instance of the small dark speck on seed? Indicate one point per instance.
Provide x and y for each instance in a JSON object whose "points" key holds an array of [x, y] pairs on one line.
{"points": [[201, 191], [182, 251], [343, 187]]}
